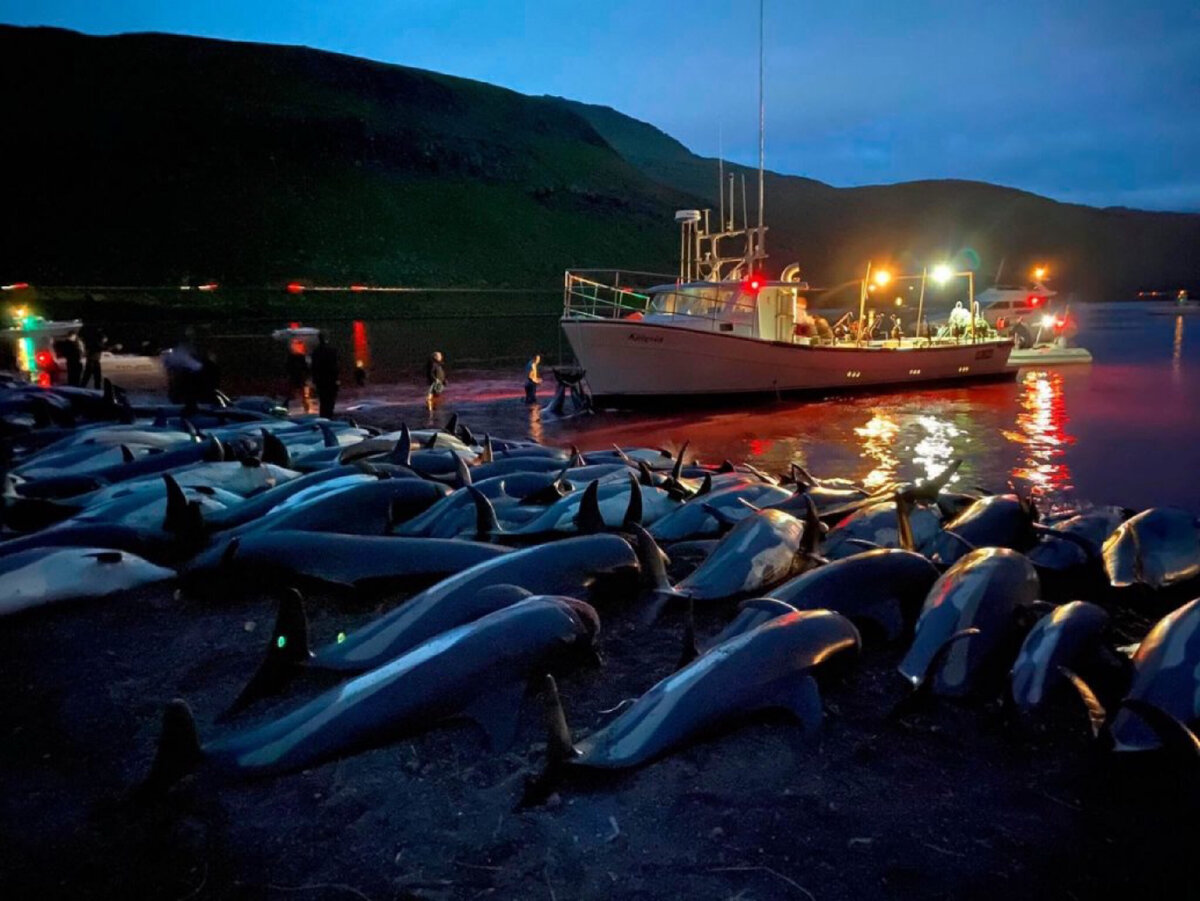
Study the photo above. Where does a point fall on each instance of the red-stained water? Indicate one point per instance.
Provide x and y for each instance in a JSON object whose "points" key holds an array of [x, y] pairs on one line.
{"points": [[1123, 430]]}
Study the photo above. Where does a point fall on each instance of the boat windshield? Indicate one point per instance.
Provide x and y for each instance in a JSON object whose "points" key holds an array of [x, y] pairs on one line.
{"points": [[695, 300]]}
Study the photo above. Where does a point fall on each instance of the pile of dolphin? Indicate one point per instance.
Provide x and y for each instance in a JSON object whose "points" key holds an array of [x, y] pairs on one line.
{"points": [[493, 558]]}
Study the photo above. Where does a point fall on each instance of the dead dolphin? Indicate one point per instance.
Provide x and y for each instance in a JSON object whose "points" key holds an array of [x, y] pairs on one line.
{"points": [[713, 512], [1156, 548], [879, 525], [479, 670], [1002, 520], [765, 549], [1059, 639], [771, 666], [884, 587], [983, 591], [42, 576], [567, 567], [1167, 667], [364, 563]]}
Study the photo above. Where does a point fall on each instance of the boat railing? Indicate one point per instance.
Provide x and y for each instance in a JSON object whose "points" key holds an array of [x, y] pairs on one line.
{"points": [[607, 293]]}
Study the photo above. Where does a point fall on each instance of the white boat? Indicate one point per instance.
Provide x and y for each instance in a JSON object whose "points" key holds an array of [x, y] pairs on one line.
{"points": [[744, 337], [1006, 303]]}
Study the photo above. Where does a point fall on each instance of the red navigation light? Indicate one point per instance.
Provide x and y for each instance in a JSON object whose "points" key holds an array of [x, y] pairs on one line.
{"points": [[17, 286], [293, 325], [43, 359], [210, 286], [1034, 300], [358, 287], [754, 283], [295, 288]]}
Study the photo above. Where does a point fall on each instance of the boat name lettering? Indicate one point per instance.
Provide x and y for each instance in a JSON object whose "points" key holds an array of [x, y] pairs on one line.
{"points": [[648, 339], [985, 354]]}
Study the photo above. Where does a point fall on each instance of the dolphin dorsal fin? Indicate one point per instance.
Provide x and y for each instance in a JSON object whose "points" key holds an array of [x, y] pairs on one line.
{"points": [[633, 513], [486, 523], [273, 450], [451, 428], [402, 452], [677, 469], [588, 519], [127, 454]]}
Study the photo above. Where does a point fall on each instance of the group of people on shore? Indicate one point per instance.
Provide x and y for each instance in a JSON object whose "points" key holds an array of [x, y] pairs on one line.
{"points": [[80, 352]]}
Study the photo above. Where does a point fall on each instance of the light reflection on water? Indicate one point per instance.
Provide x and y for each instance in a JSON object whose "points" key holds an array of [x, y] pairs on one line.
{"points": [[1042, 436]]}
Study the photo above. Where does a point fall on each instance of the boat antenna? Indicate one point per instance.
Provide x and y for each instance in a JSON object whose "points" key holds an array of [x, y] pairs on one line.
{"points": [[721, 172], [732, 206], [745, 206], [761, 132]]}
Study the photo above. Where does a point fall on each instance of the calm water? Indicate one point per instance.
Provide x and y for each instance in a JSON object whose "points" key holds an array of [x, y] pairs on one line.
{"points": [[1124, 430]]}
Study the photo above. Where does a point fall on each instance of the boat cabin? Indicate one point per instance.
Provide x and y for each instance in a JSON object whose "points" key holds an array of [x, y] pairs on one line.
{"points": [[768, 311]]}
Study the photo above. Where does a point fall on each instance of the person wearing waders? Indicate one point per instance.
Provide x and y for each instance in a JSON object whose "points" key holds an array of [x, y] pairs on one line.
{"points": [[532, 379], [325, 375], [435, 375]]}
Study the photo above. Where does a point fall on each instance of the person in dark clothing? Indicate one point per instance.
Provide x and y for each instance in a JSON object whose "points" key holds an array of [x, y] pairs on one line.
{"points": [[325, 375], [435, 375], [93, 339], [69, 349], [1021, 335]]}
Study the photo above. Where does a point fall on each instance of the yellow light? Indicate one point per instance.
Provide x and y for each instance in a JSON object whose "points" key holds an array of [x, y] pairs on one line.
{"points": [[882, 277], [899, 301], [1039, 273], [942, 273]]}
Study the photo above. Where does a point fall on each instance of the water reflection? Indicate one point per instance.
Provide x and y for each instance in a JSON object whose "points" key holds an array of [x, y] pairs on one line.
{"points": [[935, 450], [1041, 432], [1177, 352], [879, 434]]}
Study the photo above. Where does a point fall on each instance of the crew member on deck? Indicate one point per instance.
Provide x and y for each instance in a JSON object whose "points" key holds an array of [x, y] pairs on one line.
{"points": [[435, 375]]}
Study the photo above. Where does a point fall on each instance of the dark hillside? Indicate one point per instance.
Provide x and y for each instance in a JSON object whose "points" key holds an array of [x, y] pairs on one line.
{"points": [[152, 158], [1099, 253]]}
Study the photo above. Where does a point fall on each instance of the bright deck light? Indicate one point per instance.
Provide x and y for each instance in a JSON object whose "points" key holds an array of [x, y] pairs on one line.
{"points": [[882, 277], [1039, 273], [942, 273], [1047, 321]]}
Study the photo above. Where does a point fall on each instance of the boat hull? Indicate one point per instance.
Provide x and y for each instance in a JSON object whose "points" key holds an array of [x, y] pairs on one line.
{"points": [[630, 361]]}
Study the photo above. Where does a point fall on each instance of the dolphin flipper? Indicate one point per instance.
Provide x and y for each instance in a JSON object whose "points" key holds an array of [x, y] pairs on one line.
{"points": [[1095, 710], [801, 698], [1177, 739]]}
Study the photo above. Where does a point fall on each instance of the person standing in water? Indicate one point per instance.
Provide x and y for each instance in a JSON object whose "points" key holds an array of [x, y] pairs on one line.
{"points": [[435, 375], [532, 379], [325, 375], [93, 340]]}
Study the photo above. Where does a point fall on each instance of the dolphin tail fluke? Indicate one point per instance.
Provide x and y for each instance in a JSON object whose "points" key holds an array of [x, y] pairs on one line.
{"points": [[178, 750], [677, 469], [689, 651], [273, 450], [802, 476], [1097, 715], [287, 651], [486, 523], [589, 519], [923, 684], [633, 512], [644, 473], [1178, 741]]}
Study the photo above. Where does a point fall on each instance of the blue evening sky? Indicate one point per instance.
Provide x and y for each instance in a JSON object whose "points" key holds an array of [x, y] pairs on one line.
{"points": [[1094, 102]]}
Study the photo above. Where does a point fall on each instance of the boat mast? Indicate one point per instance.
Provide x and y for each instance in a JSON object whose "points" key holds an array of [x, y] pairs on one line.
{"points": [[760, 248]]}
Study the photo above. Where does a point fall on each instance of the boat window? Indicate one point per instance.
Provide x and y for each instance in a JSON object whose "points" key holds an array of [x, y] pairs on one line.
{"points": [[692, 300]]}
